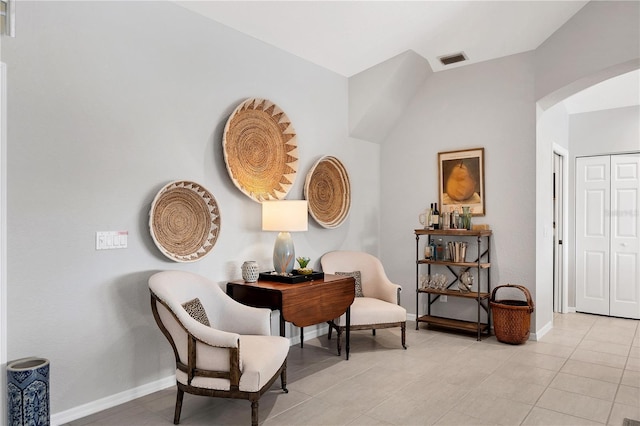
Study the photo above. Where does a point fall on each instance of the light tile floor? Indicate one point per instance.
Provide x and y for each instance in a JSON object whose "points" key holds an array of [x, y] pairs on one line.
{"points": [[585, 371]]}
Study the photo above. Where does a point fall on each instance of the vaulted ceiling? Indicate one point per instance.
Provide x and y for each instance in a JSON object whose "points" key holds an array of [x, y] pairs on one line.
{"points": [[349, 37]]}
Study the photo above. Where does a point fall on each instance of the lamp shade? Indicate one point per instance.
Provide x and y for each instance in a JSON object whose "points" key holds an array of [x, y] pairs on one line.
{"points": [[285, 215]]}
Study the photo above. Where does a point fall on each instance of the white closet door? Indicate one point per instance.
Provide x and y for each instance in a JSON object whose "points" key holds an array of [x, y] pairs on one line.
{"points": [[592, 234], [625, 241]]}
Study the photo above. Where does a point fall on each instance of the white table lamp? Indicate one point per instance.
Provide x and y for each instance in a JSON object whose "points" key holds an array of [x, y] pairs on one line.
{"points": [[284, 216]]}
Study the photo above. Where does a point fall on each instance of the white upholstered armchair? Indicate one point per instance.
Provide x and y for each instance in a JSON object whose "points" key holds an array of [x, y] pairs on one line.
{"points": [[222, 348], [377, 305]]}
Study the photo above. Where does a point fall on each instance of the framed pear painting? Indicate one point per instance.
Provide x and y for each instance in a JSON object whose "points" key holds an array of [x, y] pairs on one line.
{"points": [[461, 179]]}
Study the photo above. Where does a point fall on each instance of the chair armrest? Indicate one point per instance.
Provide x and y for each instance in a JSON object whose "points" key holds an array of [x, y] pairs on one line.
{"points": [[392, 293], [211, 336], [387, 291]]}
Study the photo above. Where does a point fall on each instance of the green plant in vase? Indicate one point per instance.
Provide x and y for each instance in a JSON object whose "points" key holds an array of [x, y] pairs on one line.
{"points": [[304, 261]]}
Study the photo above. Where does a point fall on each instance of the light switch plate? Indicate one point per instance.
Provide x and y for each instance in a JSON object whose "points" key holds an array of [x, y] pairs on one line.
{"points": [[108, 240]]}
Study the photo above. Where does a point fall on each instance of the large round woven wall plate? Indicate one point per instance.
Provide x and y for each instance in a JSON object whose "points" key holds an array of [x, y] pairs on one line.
{"points": [[260, 150], [184, 221], [328, 191]]}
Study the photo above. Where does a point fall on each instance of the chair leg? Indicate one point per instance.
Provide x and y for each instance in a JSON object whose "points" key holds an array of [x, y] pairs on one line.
{"points": [[403, 328], [283, 378], [176, 415], [330, 330], [254, 413], [338, 338], [373, 331]]}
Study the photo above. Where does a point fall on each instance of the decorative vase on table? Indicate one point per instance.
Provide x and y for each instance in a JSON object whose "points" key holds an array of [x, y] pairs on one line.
{"points": [[250, 271]]}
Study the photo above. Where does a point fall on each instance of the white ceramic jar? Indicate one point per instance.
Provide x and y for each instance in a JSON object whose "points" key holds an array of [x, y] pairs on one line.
{"points": [[250, 271]]}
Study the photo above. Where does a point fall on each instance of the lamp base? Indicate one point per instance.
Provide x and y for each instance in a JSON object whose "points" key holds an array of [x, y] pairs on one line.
{"points": [[284, 253]]}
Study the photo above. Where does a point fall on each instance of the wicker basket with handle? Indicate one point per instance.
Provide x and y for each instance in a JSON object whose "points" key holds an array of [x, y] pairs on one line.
{"points": [[511, 318]]}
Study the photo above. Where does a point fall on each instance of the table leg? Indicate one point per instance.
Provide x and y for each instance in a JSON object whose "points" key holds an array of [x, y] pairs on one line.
{"points": [[281, 325], [302, 337], [348, 331]]}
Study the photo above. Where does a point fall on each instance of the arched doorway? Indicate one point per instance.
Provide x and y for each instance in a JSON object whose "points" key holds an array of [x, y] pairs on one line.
{"points": [[553, 131]]}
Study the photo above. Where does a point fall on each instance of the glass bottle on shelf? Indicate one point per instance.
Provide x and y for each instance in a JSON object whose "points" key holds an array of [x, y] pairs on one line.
{"points": [[439, 250], [466, 217], [446, 220], [427, 251], [436, 217]]}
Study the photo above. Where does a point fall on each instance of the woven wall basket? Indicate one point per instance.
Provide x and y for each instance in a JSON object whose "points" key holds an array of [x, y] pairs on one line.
{"points": [[328, 191], [260, 150], [184, 221]]}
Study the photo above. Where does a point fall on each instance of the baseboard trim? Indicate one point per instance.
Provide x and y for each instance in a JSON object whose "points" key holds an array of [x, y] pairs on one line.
{"points": [[111, 401], [540, 333], [101, 404], [309, 333]]}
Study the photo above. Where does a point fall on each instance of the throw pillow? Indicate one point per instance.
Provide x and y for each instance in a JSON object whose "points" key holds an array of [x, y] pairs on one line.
{"points": [[358, 277], [195, 309]]}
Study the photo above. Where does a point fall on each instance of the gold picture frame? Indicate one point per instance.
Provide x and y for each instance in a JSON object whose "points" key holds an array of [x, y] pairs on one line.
{"points": [[461, 180]]}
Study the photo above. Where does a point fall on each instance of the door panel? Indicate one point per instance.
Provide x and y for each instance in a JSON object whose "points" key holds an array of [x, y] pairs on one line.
{"points": [[592, 234], [624, 270], [625, 241], [596, 224], [595, 268]]}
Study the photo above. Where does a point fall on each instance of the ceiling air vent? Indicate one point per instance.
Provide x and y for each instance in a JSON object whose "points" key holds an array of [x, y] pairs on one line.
{"points": [[452, 59]]}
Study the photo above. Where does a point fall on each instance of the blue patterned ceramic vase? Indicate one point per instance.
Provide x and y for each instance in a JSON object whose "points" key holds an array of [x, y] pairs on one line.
{"points": [[28, 392]]}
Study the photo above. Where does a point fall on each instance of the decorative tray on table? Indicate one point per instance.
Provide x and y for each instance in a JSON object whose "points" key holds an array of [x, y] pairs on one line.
{"points": [[292, 278]]}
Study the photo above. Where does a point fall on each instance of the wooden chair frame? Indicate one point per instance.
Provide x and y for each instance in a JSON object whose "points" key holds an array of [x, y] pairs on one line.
{"points": [[373, 327], [233, 375]]}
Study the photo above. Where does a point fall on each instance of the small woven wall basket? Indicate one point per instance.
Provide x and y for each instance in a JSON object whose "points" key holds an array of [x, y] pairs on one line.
{"points": [[260, 150], [328, 191], [184, 221], [511, 318]]}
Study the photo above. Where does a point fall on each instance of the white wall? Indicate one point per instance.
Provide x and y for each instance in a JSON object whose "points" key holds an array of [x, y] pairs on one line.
{"points": [[553, 125], [490, 105], [108, 102], [379, 95], [3, 233], [613, 131], [103, 111], [605, 132], [473, 107], [593, 133], [552, 128], [601, 41], [600, 132]]}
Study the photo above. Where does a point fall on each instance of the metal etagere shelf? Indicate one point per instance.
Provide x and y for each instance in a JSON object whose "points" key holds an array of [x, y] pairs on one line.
{"points": [[481, 294]]}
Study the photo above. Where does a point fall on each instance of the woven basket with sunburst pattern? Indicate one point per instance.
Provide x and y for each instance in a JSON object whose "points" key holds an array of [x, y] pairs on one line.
{"points": [[260, 150], [184, 221]]}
